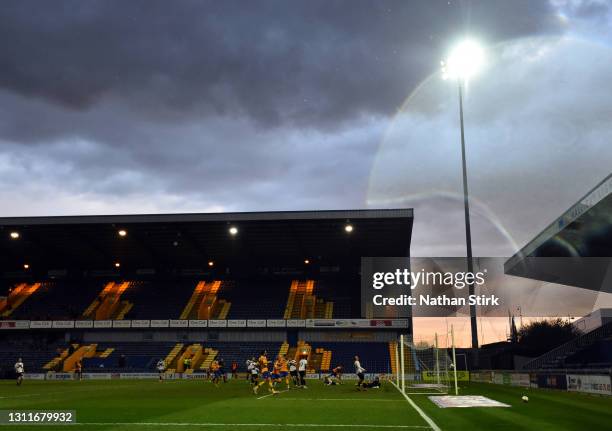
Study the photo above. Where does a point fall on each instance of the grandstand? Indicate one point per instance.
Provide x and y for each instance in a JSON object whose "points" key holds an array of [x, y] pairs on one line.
{"points": [[118, 293], [592, 349], [575, 250]]}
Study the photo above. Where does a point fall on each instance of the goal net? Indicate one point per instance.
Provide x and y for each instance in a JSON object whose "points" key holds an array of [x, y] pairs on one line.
{"points": [[423, 368]]}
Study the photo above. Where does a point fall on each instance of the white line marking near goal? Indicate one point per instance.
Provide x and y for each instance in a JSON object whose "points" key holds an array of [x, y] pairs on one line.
{"points": [[185, 424], [431, 423], [269, 395]]}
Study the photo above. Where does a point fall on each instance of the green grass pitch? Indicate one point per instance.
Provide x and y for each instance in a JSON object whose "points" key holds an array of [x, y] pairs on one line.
{"points": [[193, 404]]}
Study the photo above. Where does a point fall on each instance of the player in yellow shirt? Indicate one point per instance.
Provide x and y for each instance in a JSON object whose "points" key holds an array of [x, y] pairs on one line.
{"points": [[283, 370], [215, 369], [265, 373], [275, 376]]}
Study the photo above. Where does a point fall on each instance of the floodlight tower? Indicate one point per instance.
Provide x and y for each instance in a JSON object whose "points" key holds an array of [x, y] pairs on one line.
{"points": [[464, 62]]}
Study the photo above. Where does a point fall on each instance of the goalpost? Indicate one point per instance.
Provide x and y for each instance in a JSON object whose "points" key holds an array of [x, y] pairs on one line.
{"points": [[425, 368]]}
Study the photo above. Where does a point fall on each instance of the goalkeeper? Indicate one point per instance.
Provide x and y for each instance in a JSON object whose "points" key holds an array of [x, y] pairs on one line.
{"points": [[374, 384]]}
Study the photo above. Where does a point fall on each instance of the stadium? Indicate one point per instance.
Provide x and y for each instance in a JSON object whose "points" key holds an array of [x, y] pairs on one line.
{"points": [[203, 286], [94, 303], [305, 215]]}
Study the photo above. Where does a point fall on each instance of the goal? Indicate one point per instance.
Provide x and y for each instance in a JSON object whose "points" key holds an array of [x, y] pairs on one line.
{"points": [[423, 368]]}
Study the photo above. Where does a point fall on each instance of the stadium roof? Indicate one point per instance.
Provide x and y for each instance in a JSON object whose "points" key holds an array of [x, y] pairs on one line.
{"points": [[576, 248], [192, 240]]}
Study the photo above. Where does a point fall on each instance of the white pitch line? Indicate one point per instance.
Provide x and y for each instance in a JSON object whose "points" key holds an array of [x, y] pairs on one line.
{"points": [[210, 424], [20, 396], [341, 399], [430, 421], [269, 395], [71, 391]]}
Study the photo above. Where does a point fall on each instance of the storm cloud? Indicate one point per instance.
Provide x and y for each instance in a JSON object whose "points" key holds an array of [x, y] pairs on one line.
{"points": [[309, 63], [152, 106]]}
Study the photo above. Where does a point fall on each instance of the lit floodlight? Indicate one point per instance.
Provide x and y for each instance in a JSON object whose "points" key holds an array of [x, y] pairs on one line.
{"points": [[117, 265], [348, 228], [14, 235], [211, 263], [233, 230], [26, 266], [465, 60], [306, 261], [122, 232]]}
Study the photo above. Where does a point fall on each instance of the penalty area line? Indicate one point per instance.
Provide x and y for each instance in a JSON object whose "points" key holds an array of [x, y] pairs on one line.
{"points": [[269, 395], [430, 421]]}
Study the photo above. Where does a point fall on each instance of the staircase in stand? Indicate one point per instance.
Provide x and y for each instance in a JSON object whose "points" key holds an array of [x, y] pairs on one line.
{"points": [[54, 363], [318, 359], [16, 297], [303, 304], [205, 304], [108, 305], [199, 356], [284, 348], [84, 351], [211, 354], [171, 357]]}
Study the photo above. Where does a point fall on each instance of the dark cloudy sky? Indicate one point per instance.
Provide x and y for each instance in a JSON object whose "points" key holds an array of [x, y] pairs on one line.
{"points": [[158, 106]]}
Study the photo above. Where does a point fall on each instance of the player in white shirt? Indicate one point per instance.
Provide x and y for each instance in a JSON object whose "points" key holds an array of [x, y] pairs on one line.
{"points": [[359, 370], [293, 372], [302, 365], [19, 370], [247, 364], [253, 374], [161, 367]]}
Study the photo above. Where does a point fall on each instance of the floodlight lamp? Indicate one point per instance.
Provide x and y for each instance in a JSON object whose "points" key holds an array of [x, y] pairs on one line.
{"points": [[466, 59]]}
